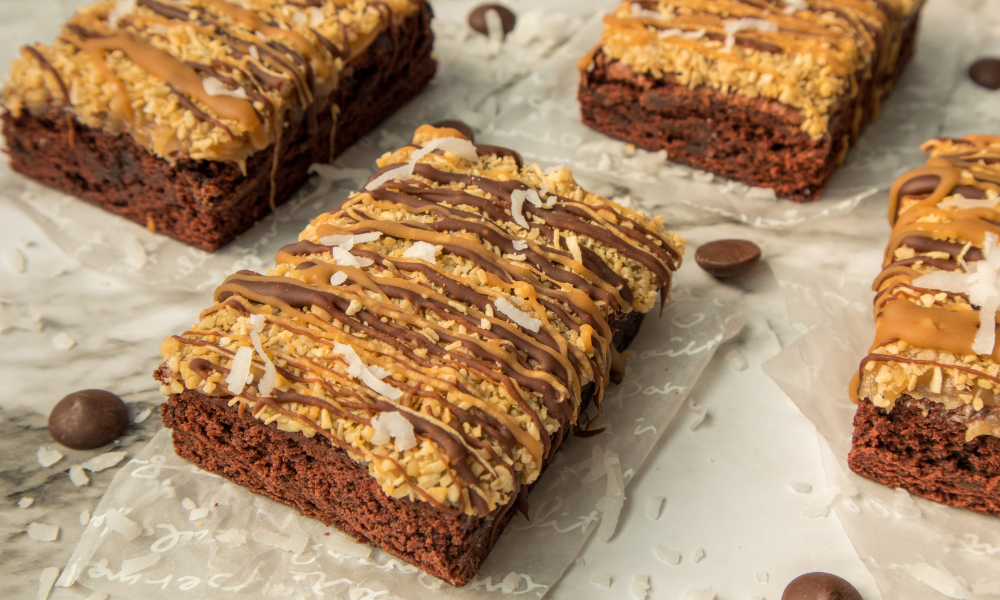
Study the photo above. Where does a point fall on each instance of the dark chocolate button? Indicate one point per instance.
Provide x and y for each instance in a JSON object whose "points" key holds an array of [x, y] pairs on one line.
{"points": [[727, 258], [985, 72], [457, 126], [477, 18], [88, 419], [820, 586]]}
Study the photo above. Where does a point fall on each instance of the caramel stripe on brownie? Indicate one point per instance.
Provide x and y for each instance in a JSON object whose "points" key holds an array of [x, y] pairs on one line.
{"points": [[241, 70], [460, 290], [946, 218]]}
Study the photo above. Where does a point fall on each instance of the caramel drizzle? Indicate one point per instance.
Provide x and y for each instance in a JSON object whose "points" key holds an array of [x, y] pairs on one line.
{"points": [[540, 373], [966, 167]]}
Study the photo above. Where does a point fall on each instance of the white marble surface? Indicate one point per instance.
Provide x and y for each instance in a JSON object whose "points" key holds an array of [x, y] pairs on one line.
{"points": [[727, 483]]}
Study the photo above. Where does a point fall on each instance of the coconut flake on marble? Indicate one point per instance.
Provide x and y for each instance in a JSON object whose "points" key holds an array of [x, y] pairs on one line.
{"points": [[664, 554], [84, 517], [188, 504], [736, 361], [233, 538], [614, 499], [654, 507], [198, 514], [700, 594], [132, 566], [510, 582], [62, 341], [46, 580], [143, 415], [597, 469], [699, 554], [78, 476], [103, 461], [762, 576], [41, 532], [517, 198], [601, 580], [734, 26], [122, 525], [700, 412], [981, 283], [120, 9], [940, 580], [423, 251], [522, 319], [14, 260], [392, 426], [48, 456], [295, 543], [802, 488], [239, 370], [25, 502]]}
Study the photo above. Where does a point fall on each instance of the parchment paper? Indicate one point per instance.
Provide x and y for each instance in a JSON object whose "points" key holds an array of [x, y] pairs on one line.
{"points": [[916, 549], [229, 550]]}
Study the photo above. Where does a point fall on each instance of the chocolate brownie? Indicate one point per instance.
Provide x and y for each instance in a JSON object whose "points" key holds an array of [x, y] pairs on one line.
{"points": [[770, 94], [227, 107], [928, 418], [409, 367]]}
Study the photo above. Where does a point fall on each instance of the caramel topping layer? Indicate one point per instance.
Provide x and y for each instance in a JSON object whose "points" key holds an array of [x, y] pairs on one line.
{"points": [[200, 79], [943, 216], [478, 320], [810, 59]]}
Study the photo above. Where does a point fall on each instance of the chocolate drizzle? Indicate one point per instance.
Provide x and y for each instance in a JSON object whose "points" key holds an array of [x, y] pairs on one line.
{"points": [[493, 397]]}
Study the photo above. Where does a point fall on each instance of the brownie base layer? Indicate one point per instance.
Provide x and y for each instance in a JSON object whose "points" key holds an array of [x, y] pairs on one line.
{"points": [[207, 204], [927, 455], [323, 482], [756, 141]]}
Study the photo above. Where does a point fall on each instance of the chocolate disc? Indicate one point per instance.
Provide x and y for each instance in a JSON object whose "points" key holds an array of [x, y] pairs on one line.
{"points": [[88, 419], [727, 258], [477, 18], [986, 72], [820, 586], [457, 126]]}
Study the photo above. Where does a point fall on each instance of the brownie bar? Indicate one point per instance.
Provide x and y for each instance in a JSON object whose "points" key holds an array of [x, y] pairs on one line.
{"points": [[661, 81], [207, 203], [326, 484], [428, 346], [928, 416], [921, 446]]}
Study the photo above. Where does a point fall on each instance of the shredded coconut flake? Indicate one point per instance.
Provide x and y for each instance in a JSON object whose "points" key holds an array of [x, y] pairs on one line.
{"points": [[132, 566], [143, 415], [239, 371], [535, 199], [338, 278], [640, 585], [962, 202], [214, 87], [671, 557], [62, 341], [14, 260], [295, 543], [350, 240], [734, 26], [736, 361], [402, 173], [234, 538], [802, 488], [463, 149], [122, 525], [78, 476], [614, 499], [573, 244], [700, 594], [393, 426], [119, 10], [45, 582], [674, 32], [654, 507], [762, 577], [423, 251], [25, 502], [699, 554], [523, 319], [270, 377], [601, 579], [316, 17], [84, 517], [48, 456], [520, 245], [40, 532], [103, 461], [517, 198], [344, 258], [794, 6], [338, 543], [357, 369]]}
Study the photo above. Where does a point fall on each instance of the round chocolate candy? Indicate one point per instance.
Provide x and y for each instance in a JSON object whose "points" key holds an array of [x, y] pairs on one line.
{"points": [[477, 18], [88, 419], [457, 126], [986, 72], [727, 258], [820, 586]]}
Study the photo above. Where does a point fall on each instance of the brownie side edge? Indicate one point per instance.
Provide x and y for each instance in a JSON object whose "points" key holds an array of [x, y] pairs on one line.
{"points": [[206, 204], [927, 455]]}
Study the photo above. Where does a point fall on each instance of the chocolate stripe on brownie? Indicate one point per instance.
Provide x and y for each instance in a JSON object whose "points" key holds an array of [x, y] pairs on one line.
{"points": [[462, 297], [936, 302]]}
